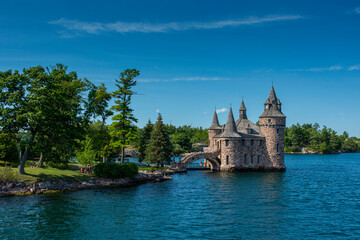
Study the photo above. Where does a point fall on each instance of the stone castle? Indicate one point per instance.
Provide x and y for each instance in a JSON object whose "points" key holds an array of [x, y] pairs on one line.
{"points": [[244, 146]]}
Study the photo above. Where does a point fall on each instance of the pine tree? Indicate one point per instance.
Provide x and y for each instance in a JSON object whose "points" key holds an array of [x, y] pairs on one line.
{"points": [[122, 128], [144, 138], [159, 148]]}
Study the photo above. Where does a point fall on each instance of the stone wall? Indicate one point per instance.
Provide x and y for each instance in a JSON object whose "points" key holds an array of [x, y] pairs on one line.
{"points": [[237, 152], [273, 130], [212, 140]]}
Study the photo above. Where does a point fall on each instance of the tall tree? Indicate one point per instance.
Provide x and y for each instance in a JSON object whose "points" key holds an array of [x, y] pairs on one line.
{"points": [[122, 128], [144, 138], [159, 148], [97, 103], [40, 100]]}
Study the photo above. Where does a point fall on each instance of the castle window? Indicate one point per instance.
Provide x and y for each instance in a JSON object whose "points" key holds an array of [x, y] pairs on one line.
{"points": [[227, 142], [258, 159], [277, 147], [269, 120], [251, 160], [252, 143], [245, 159], [249, 131], [227, 160], [261, 143], [243, 143], [277, 130]]}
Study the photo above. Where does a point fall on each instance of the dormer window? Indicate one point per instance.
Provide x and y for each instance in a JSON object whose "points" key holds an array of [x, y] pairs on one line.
{"points": [[227, 142], [269, 120], [249, 131]]}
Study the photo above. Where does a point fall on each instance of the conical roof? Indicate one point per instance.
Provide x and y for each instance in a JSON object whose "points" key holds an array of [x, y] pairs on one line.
{"points": [[271, 106], [242, 106], [230, 127], [272, 95], [215, 122]]}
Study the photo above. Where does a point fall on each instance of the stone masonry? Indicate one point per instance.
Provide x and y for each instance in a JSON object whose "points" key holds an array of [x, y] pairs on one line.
{"points": [[244, 146]]}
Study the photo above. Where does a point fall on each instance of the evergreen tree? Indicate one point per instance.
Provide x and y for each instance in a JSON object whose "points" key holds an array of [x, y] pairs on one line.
{"points": [[122, 128], [144, 138], [159, 148]]}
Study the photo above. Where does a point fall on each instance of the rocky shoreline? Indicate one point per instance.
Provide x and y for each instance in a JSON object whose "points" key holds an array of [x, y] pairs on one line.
{"points": [[22, 188]]}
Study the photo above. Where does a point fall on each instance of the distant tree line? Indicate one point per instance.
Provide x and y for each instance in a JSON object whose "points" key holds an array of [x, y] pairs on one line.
{"points": [[321, 140]]}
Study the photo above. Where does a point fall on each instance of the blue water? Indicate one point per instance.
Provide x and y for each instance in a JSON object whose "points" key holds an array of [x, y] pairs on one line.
{"points": [[318, 197]]}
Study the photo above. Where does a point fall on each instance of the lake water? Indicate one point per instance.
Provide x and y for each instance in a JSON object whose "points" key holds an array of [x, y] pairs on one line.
{"points": [[318, 197]]}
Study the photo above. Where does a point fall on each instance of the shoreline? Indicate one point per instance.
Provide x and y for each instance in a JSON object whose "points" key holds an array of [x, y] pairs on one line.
{"points": [[23, 189]]}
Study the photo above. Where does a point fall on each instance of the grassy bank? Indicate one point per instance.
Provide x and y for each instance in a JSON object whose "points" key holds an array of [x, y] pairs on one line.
{"points": [[48, 174]]}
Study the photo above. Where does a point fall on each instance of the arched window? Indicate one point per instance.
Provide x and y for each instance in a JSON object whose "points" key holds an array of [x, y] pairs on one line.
{"points": [[227, 160], [258, 159], [251, 160], [252, 142], [245, 160], [227, 142]]}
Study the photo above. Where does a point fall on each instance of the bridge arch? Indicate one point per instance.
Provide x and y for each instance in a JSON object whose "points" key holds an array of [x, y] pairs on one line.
{"points": [[211, 157]]}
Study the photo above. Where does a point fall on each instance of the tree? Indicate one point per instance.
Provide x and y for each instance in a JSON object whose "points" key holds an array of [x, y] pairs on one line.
{"points": [[181, 143], [159, 148], [87, 155], [41, 101], [9, 152], [97, 103], [122, 128], [144, 138]]}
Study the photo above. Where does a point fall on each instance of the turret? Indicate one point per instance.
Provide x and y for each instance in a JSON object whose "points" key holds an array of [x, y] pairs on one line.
{"points": [[242, 111], [214, 130], [272, 123]]}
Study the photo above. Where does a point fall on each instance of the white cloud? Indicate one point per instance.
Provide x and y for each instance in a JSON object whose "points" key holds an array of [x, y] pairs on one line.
{"points": [[332, 68], [357, 10], [221, 110], [157, 110], [325, 69], [77, 26], [183, 79], [355, 67]]}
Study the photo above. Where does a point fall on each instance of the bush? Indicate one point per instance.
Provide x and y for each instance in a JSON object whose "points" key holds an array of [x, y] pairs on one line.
{"points": [[7, 175], [115, 170]]}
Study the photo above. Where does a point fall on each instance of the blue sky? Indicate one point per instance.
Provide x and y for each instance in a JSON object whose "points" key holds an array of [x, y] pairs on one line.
{"points": [[195, 55]]}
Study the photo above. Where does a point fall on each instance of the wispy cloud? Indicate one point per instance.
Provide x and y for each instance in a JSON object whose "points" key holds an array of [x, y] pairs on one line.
{"points": [[222, 110], [76, 26], [183, 79], [157, 110], [357, 10], [354, 68], [323, 69], [326, 69]]}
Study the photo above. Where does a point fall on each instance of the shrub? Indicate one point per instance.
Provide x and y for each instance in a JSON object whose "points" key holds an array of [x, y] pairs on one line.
{"points": [[114, 170], [7, 175]]}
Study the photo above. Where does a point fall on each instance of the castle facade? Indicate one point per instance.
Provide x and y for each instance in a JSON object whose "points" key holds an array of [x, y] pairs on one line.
{"points": [[244, 146]]}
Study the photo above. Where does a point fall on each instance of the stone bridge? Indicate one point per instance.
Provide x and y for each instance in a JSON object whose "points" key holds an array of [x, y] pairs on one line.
{"points": [[211, 157]]}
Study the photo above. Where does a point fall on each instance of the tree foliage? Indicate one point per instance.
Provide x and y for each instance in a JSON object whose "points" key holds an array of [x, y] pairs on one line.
{"points": [[159, 149], [323, 140], [143, 140], [122, 128]]}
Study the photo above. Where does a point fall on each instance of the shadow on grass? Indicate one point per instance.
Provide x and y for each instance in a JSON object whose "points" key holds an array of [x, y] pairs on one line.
{"points": [[59, 177]]}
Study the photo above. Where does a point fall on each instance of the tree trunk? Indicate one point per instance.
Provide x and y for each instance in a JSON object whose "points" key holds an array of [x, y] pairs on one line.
{"points": [[122, 154], [26, 154], [104, 159], [40, 162]]}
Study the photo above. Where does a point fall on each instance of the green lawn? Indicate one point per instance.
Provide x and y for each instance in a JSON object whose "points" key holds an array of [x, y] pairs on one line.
{"points": [[51, 174], [146, 168]]}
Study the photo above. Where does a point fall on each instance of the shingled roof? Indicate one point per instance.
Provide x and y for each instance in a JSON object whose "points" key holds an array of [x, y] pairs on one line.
{"points": [[230, 128], [272, 106], [215, 122]]}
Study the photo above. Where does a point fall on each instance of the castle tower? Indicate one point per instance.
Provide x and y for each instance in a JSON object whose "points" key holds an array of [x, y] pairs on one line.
{"points": [[272, 123], [214, 130], [230, 141], [242, 111]]}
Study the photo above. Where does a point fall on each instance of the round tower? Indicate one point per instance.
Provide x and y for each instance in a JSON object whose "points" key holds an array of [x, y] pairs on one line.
{"points": [[214, 130], [272, 123]]}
